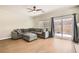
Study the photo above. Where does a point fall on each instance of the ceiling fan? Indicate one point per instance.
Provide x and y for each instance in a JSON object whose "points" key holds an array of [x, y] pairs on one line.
{"points": [[34, 8]]}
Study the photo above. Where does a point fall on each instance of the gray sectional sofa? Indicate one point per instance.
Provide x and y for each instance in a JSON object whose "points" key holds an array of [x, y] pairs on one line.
{"points": [[29, 34]]}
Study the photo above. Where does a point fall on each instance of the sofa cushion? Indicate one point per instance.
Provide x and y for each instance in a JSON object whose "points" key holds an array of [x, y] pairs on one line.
{"points": [[24, 30], [31, 29], [38, 30], [19, 31]]}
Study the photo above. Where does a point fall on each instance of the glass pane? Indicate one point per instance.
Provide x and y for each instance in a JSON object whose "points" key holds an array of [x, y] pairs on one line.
{"points": [[57, 25], [67, 28]]}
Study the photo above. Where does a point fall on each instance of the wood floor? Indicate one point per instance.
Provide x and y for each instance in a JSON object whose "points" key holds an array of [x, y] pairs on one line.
{"points": [[50, 45]]}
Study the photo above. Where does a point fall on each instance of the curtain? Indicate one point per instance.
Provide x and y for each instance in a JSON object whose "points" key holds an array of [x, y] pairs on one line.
{"points": [[75, 34], [52, 27]]}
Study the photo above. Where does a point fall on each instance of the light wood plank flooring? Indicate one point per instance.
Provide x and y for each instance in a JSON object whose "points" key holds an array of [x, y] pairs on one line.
{"points": [[50, 45]]}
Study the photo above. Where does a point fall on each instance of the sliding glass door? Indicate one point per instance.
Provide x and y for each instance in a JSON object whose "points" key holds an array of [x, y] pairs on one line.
{"points": [[63, 27], [68, 28], [57, 27]]}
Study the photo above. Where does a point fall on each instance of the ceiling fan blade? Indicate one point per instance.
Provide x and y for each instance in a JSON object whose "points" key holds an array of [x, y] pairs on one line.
{"points": [[29, 8], [38, 9]]}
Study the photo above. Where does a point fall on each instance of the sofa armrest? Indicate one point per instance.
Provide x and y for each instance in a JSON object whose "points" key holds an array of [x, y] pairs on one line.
{"points": [[14, 35], [45, 34]]}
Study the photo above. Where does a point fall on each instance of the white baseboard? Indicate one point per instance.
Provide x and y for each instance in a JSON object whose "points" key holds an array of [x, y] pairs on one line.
{"points": [[4, 38]]}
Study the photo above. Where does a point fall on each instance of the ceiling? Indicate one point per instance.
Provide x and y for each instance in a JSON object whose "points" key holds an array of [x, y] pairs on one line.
{"points": [[23, 8], [46, 8]]}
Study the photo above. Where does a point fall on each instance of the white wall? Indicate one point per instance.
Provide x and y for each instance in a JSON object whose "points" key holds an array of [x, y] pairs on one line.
{"points": [[13, 17], [58, 12]]}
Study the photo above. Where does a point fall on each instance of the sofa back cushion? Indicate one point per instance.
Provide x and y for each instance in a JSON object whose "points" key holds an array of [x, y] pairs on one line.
{"points": [[31, 29], [38, 30], [24, 30], [35, 29]]}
